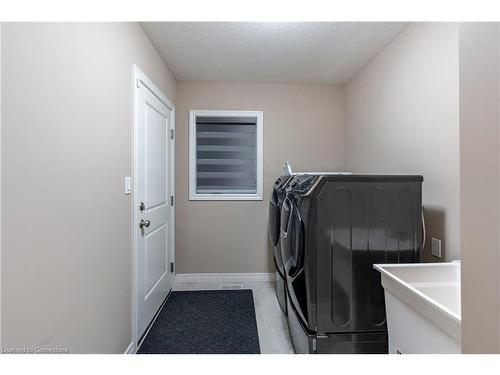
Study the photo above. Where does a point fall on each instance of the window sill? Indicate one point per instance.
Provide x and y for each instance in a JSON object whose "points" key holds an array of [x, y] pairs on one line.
{"points": [[224, 197]]}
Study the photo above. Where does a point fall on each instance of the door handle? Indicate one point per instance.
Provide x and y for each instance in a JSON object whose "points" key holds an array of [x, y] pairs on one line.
{"points": [[144, 223]]}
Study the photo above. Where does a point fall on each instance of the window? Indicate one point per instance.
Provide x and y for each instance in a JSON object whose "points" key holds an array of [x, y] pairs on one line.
{"points": [[225, 155]]}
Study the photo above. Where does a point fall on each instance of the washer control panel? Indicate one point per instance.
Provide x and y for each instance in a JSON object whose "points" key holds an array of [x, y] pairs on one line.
{"points": [[303, 183]]}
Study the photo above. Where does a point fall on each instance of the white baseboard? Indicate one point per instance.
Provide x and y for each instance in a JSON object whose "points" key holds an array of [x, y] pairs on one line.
{"points": [[130, 349], [224, 277]]}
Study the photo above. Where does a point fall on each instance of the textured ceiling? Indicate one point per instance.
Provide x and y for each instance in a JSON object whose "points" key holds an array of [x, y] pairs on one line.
{"points": [[312, 52]]}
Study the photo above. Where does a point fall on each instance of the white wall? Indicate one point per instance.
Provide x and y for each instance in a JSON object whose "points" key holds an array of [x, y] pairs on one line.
{"points": [[303, 124], [402, 116], [67, 120], [479, 184]]}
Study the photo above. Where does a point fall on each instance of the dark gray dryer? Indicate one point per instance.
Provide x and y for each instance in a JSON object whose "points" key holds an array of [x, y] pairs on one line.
{"points": [[333, 229], [277, 198]]}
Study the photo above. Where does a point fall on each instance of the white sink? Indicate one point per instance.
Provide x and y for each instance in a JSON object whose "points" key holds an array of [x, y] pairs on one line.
{"points": [[423, 307]]}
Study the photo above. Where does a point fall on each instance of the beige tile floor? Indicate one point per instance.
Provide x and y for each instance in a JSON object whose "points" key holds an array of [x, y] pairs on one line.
{"points": [[271, 322]]}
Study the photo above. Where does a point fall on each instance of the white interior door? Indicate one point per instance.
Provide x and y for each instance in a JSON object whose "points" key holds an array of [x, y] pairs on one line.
{"points": [[152, 200]]}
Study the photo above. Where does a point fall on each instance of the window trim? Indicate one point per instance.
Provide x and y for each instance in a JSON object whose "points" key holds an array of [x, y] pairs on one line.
{"points": [[193, 196]]}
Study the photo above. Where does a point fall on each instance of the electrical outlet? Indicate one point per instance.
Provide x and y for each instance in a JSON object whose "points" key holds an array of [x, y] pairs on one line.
{"points": [[436, 247]]}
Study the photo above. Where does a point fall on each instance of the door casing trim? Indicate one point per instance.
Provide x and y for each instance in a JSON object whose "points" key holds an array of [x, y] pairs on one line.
{"points": [[139, 78]]}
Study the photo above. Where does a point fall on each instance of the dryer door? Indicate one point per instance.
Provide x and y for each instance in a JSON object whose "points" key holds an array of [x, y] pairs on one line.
{"points": [[274, 219], [274, 231], [292, 237], [286, 210]]}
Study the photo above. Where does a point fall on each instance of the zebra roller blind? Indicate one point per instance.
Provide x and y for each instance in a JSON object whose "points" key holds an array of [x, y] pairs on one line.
{"points": [[226, 154]]}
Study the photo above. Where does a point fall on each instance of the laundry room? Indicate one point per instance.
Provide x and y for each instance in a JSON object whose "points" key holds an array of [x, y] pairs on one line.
{"points": [[314, 122], [249, 187]]}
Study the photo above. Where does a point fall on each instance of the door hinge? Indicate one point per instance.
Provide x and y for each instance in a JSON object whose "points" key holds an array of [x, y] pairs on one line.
{"points": [[171, 200], [172, 267], [172, 132]]}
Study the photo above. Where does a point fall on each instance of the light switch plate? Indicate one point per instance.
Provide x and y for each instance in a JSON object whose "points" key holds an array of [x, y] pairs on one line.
{"points": [[128, 185], [436, 247]]}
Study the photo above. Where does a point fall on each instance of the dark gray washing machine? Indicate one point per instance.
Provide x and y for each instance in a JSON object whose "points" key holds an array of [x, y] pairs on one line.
{"points": [[277, 198], [333, 229]]}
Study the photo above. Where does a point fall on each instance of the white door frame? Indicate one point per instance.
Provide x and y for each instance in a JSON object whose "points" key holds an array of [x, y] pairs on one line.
{"points": [[141, 79]]}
